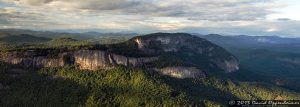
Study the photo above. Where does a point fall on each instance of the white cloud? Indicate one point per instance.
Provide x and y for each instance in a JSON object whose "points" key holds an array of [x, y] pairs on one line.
{"points": [[220, 16], [216, 10], [271, 30]]}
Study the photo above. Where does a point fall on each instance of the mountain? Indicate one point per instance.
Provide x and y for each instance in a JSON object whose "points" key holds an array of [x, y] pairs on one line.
{"points": [[159, 69], [46, 34], [250, 41], [172, 54], [189, 48], [55, 35]]}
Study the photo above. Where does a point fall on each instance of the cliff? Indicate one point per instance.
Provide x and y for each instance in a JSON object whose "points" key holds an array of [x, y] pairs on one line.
{"points": [[95, 59], [193, 56], [86, 59]]}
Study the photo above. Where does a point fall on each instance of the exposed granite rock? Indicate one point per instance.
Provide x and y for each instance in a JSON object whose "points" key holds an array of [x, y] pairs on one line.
{"points": [[91, 59], [182, 72], [229, 65], [95, 59], [86, 59], [29, 60]]}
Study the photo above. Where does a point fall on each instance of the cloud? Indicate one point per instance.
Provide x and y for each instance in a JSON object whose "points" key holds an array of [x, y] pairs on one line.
{"points": [[271, 30], [200, 16], [256, 28], [6, 15], [32, 2], [283, 19], [192, 9]]}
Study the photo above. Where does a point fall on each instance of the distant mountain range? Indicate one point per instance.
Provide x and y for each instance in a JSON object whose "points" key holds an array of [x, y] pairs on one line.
{"points": [[243, 38], [250, 40], [56, 34]]}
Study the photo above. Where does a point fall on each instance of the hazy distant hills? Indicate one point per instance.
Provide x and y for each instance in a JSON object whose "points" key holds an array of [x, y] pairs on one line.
{"points": [[216, 38], [23, 38], [20, 36], [250, 40], [53, 34], [276, 59]]}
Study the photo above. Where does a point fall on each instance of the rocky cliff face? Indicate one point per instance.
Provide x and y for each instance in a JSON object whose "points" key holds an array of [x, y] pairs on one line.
{"points": [[86, 59], [29, 59], [97, 59], [193, 56]]}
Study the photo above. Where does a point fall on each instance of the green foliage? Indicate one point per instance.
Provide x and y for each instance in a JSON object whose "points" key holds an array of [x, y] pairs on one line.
{"points": [[73, 87], [213, 91], [6, 46], [125, 48], [211, 104], [170, 59], [66, 42], [110, 39], [251, 90], [25, 42]]}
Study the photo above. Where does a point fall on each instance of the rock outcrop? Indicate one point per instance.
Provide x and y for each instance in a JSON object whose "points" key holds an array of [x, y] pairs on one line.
{"points": [[191, 56], [182, 72], [230, 65], [29, 59], [95, 59], [86, 59]]}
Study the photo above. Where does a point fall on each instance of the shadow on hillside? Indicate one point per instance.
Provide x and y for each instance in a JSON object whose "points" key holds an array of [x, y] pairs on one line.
{"points": [[199, 91], [30, 89], [246, 74]]}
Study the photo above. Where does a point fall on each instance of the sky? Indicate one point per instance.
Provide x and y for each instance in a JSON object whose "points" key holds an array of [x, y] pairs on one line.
{"points": [[228, 17]]}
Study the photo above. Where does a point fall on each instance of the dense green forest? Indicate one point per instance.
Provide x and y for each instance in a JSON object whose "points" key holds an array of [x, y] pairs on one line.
{"points": [[24, 42], [72, 87], [123, 86]]}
